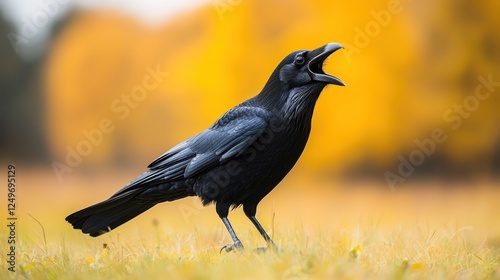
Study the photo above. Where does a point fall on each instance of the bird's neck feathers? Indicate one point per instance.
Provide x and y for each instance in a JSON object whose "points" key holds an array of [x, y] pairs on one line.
{"points": [[291, 104], [299, 106]]}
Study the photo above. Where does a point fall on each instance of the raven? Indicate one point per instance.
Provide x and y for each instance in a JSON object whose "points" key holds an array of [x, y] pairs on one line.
{"points": [[235, 162]]}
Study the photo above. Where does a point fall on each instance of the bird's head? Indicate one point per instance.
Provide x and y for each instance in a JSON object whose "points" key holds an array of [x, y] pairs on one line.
{"points": [[297, 82], [306, 67]]}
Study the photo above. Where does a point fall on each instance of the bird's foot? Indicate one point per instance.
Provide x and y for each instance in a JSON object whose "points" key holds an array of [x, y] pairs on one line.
{"points": [[237, 246]]}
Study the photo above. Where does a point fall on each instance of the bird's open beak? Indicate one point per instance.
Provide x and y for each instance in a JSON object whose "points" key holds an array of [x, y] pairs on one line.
{"points": [[315, 66]]}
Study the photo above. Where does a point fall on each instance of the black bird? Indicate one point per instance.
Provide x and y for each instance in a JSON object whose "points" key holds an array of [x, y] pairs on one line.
{"points": [[237, 161]]}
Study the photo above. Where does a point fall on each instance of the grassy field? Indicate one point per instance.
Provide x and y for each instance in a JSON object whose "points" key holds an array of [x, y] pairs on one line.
{"points": [[325, 230]]}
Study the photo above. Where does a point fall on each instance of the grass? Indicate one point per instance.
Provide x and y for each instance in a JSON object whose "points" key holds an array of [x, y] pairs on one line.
{"points": [[325, 230]]}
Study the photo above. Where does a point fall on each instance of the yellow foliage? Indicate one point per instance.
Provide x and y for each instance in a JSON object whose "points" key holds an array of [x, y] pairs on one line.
{"points": [[406, 63]]}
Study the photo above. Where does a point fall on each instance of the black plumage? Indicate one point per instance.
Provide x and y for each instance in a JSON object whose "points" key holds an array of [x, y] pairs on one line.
{"points": [[237, 161]]}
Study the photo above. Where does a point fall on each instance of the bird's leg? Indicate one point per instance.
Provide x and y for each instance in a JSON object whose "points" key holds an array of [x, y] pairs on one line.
{"points": [[269, 241], [237, 243], [250, 210]]}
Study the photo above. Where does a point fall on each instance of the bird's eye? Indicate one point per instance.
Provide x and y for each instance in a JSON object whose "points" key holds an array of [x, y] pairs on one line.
{"points": [[299, 60]]}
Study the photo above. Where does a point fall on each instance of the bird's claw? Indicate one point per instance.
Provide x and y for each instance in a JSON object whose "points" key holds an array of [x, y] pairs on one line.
{"points": [[237, 246]]}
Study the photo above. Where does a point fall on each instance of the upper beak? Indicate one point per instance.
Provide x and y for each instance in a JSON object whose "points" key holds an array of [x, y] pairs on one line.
{"points": [[315, 66]]}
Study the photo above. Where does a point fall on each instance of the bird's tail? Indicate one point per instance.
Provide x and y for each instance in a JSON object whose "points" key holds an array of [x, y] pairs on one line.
{"points": [[109, 214]]}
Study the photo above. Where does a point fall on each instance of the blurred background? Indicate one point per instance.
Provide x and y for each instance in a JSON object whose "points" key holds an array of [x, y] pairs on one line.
{"points": [[92, 91], [411, 67]]}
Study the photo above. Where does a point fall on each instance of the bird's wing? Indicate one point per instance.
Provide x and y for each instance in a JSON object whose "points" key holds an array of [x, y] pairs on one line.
{"points": [[230, 136], [226, 139]]}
